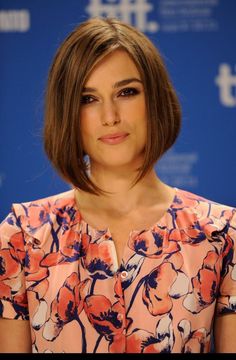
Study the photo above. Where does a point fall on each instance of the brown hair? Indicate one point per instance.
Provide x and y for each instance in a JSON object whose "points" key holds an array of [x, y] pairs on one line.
{"points": [[74, 60]]}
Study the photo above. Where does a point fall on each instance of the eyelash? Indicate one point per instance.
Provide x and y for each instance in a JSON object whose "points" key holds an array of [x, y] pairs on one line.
{"points": [[128, 92], [132, 91]]}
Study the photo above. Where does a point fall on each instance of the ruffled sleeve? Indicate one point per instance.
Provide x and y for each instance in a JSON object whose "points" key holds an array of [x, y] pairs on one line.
{"points": [[227, 291], [13, 299]]}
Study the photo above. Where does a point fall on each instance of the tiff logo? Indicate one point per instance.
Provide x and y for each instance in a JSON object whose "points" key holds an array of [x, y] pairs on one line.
{"points": [[14, 20], [226, 82], [125, 10]]}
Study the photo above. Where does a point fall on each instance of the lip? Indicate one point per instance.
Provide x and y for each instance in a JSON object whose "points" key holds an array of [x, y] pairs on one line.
{"points": [[113, 139]]}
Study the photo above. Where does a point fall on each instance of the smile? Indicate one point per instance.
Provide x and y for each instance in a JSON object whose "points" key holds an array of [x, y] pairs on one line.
{"points": [[113, 139]]}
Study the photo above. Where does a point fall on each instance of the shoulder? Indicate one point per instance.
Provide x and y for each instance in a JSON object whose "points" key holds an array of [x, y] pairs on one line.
{"points": [[197, 203], [37, 216], [194, 210], [61, 200]]}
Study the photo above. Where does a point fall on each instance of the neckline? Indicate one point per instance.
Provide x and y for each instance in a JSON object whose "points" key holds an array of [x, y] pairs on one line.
{"points": [[107, 230]]}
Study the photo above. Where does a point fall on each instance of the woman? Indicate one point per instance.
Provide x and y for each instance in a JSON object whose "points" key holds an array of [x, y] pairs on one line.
{"points": [[122, 262]]}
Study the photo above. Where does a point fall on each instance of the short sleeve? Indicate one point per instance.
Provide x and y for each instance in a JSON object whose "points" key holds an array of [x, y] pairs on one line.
{"points": [[13, 299], [227, 292]]}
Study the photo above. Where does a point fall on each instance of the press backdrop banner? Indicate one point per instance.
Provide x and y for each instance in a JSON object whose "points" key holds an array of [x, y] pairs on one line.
{"points": [[197, 41]]}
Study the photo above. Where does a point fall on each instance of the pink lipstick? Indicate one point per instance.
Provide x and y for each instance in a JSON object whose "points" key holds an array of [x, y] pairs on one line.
{"points": [[113, 139]]}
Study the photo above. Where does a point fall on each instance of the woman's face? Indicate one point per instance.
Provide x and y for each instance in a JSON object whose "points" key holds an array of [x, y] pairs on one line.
{"points": [[113, 114]]}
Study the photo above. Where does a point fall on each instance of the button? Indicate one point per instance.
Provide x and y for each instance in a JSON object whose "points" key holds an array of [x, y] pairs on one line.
{"points": [[124, 274], [120, 317]]}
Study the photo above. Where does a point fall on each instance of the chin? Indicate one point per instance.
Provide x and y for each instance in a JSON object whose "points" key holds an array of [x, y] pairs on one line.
{"points": [[118, 159], [125, 163]]}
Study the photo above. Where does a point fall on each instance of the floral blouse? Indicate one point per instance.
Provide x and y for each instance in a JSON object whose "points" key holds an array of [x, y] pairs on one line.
{"points": [[62, 275]]}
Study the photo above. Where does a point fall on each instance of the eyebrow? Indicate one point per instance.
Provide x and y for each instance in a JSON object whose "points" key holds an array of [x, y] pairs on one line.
{"points": [[116, 85]]}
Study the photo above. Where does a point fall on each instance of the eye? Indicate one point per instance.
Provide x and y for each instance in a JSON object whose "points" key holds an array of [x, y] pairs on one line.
{"points": [[86, 99], [129, 92]]}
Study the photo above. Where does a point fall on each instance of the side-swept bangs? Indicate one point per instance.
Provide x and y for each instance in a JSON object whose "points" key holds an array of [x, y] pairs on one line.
{"points": [[74, 60]]}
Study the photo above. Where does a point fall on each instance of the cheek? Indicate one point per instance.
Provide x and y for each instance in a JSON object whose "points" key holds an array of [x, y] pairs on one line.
{"points": [[134, 112], [87, 122], [85, 133]]}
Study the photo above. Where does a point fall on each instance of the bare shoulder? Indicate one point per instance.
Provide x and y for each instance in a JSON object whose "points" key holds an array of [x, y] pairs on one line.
{"points": [[15, 336]]}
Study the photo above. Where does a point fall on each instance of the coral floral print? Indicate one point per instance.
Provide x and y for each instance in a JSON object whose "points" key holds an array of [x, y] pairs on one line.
{"points": [[62, 275]]}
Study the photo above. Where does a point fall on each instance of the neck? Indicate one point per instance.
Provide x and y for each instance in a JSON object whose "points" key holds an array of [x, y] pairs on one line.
{"points": [[121, 196]]}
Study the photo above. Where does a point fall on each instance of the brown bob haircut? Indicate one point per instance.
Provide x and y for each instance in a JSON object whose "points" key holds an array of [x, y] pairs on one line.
{"points": [[83, 48]]}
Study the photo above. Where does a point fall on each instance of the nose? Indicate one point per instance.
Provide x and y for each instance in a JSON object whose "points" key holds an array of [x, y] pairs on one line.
{"points": [[110, 114]]}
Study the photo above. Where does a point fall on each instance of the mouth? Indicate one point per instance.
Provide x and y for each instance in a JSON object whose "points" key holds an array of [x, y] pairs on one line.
{"points": [[113, 139]]}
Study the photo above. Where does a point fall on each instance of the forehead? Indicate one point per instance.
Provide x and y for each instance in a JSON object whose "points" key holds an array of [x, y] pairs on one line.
{"points": [[115, 65]]}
